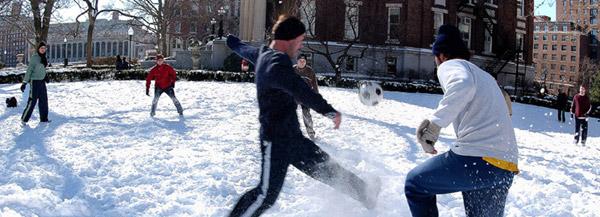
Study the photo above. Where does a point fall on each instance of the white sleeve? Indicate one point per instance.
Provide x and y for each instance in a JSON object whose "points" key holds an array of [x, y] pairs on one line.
{"points": [[459, 89]]}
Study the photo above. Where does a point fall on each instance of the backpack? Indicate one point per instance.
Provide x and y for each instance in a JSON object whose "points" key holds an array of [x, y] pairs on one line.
{"points": [[11, 102]]}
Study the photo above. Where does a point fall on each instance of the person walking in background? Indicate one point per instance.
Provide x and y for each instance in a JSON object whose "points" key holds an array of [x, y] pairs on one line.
{"points": [[165, 77], [580, 109], [561, 105], [124, 64], [36, 77], [119, 63], [482, 162], [307, 73]]}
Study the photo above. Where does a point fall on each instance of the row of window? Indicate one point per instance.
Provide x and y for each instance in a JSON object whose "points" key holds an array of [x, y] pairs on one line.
{"points": [[554, 56], [555, 47], [563, 68], [560, 78], [555, 37], [78, 51], [555, 27]]}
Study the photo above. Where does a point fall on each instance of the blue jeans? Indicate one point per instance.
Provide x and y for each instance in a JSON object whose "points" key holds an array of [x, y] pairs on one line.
{"points": [[484, 186]]}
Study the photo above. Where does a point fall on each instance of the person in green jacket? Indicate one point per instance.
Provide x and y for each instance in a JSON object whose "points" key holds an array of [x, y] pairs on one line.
{"points": [[36, 77]]}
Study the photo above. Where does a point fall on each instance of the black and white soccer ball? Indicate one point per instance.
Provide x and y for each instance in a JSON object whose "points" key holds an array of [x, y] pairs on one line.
{"points": [[370, 93]]}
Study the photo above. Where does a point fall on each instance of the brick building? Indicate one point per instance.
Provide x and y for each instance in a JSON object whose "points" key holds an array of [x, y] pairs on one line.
{"points": [[585, 15], [560, 50], [192, 21], [13, 38], [399, 35]]}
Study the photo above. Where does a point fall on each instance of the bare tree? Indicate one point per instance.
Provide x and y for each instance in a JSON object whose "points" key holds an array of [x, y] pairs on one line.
{"points": [[92, 10], [42, 12], [155, 16], [334, 53]]}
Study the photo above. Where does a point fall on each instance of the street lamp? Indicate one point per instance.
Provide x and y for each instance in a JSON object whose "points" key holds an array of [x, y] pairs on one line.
{"points": [[212, 23], [5, 64], [130, 33], [221, 12], [66, 62]]}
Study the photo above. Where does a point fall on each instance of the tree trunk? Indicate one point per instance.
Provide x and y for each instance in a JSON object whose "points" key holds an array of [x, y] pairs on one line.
{"points": [[90, 33]]}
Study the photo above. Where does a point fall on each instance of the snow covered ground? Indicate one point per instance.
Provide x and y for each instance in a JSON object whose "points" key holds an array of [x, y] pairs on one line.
{"points": [[104, 156]]}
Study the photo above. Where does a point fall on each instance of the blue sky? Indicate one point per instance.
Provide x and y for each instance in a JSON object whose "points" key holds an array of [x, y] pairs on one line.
{"points": [[546, 8]]}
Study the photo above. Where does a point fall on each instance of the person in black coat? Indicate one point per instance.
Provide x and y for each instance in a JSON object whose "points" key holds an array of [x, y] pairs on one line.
{"points": [[561, 105]]}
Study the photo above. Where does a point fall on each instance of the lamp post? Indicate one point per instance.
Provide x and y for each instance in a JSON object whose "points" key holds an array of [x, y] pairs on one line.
{"points": [[212, 23], [130, 33], [66, 61], [221, 12], [5, 64]]}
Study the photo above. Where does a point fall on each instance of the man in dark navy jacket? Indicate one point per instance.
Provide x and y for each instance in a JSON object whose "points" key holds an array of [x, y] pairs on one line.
{"points": [[282, 143]]}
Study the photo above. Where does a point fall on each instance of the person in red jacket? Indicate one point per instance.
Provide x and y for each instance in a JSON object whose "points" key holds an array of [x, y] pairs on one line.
{"points": [[164, 76], [580, 108]]}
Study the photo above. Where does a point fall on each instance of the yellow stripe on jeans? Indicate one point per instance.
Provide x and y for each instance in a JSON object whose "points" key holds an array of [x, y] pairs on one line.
{"points": [[505, 165]]}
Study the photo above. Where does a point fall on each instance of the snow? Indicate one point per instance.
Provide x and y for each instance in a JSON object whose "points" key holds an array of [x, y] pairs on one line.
{"points": [[103, 155]]}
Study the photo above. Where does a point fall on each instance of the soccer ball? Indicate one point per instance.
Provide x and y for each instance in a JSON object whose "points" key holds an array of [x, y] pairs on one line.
{"points": [[370, 93]]}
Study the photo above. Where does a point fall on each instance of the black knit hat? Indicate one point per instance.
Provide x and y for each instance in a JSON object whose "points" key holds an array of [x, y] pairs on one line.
{"points": [[41, 44], [288, 28], [449, 42]]}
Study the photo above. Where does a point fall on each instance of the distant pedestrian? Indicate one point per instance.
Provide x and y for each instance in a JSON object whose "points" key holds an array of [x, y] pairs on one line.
{"points": [[165, 77], [580, 109], [561, 105], [36, 77]]}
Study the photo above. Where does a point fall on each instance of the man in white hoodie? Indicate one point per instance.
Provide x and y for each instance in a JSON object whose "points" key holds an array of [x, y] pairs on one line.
{"points": [[482, 161]]}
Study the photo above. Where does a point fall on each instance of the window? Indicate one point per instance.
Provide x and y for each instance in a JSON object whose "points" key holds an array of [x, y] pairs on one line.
{"points": [[545, 47], [572, 68], [464, 25], [552, 66], [546, 27], [536, 37], [593, 15], [594, 36], [565, 28], [488, 38], [193, 27], [535, 55], [308, 14], [391, 64], [544, 56], [351, 63], [553, 57], [563, 47], [178, 27], [438, 20], [563, 57], [573, 58], [351, 22], [562, 78], [521, 8], [544, 37], [535, 46], [563, 68], [573, 48], [537, 28], [554, 37], [394, 23], [440, 2], [554, 47], [521, 42]]}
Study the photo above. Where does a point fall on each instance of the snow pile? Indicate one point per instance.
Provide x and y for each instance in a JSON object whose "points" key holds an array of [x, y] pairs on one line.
{"points": [[104, 156]]}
